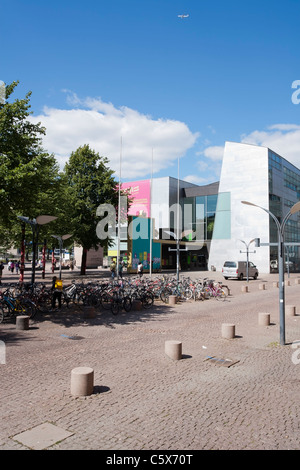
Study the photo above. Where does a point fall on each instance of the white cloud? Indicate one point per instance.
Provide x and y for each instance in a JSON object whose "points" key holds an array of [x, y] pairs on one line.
{"points": [[214, 152], [284, 139], [196, 179], [102, 125]]}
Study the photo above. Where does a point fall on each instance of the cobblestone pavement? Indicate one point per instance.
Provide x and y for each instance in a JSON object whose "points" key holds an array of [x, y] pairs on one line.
{"points": [[142, 399]]}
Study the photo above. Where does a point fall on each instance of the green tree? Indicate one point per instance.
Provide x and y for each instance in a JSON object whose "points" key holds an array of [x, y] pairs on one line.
{"points": [[90, 182], [29, 176]]}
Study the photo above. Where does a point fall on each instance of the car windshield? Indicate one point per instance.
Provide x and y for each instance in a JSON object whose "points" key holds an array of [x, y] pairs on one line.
{"points": [[229, 264]]}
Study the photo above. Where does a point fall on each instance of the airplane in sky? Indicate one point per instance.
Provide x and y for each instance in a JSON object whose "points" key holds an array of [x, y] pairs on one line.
{"points": [[183, 16]]}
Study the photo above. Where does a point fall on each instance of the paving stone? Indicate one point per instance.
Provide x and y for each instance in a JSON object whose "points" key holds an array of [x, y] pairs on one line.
{"points": [[42, 436]]}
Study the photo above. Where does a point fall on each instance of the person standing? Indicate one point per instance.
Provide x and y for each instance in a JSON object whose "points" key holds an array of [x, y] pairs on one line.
{"points": [[57, 291]]}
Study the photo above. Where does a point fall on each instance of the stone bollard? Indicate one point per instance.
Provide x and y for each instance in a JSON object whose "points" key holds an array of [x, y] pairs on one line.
{"points": [[228, 330], [172, 299], [136, 305], [262, 286], [89, 312], [290, 310], [173, 349], [245, 288], [275, 284], [82, 381], [297, 281], [22, 322], [264, 319], [287, 283]]}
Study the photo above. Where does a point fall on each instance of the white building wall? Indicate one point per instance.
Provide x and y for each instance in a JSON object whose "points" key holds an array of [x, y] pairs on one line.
{"points": [[244, 176]]}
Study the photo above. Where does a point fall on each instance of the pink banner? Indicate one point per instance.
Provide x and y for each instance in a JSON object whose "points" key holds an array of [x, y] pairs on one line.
{"points": [[140, 195]]}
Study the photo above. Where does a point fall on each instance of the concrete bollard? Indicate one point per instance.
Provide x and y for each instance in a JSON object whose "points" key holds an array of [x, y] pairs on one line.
{"points": [[136, 305], [297, 281], [22, 322], [89, 312], [264, 319], [276, 284], [82, 381], [172, 299], [245, 288], [290, 310], [228, 330], [173, 349], [262, 286], [287, 283]]}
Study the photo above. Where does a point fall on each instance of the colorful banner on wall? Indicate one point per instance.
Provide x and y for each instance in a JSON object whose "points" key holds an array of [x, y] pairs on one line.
{"points": [[139, 192]]}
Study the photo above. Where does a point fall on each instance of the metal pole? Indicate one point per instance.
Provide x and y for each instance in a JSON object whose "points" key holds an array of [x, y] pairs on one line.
{"points": [[60, 256], [44, 259], [281, 286], [35, 233], [22, 267], [119, 215], [280, 228], [53, 259], [177, 242], [151, 228]]}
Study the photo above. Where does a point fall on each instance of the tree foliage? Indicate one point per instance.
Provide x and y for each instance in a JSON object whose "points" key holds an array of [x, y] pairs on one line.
{"points": [[29, 176], [90, 182]]}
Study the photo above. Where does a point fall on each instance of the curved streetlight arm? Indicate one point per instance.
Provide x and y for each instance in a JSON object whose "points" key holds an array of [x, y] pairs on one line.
{"points": [[266, 210], [280, 227]]}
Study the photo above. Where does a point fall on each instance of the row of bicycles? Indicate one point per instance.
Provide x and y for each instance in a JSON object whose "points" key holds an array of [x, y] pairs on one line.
{"points": [[26, 299]]}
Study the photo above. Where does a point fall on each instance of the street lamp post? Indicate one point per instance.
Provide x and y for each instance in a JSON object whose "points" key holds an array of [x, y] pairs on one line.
{"points": [[247, 253], [60, 240], [35, 227], [280, 229]]}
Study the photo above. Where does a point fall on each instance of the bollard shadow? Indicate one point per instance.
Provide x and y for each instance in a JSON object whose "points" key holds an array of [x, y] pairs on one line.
{"points": [[100, 389], [186, 356]]}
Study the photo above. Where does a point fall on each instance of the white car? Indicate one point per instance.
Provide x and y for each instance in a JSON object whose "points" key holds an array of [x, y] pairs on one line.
{"points": [[238, 269]]}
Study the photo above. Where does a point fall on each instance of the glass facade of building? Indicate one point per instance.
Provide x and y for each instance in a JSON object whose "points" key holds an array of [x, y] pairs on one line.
{"points": [[284, 192], [203, 215]]}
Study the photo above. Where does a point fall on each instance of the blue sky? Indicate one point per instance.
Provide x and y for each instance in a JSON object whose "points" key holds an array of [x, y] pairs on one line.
{"points": [[107, 71]]}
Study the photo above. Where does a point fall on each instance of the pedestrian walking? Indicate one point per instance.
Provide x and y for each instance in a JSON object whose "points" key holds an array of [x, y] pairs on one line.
{"points": [[121, 265], [12, 267], [113, 269], [17, 267], [140, 269]]}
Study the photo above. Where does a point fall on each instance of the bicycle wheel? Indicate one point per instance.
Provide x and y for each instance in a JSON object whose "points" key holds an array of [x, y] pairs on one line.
{"points": [[1, 315], [220, 295], [127, 304], [7, 309], [44, 303], [188, 293], [147, 300], [207, 292], [199, 294], [115, 307], [106, 300], [164, 295], [27, 308]]}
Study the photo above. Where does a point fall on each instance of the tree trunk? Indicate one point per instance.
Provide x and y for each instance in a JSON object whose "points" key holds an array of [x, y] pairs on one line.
{"points": [[83, 261]]}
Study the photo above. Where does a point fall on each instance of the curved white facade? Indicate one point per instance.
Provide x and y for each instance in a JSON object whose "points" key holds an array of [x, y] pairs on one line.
{"points": [[244, 176]]}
